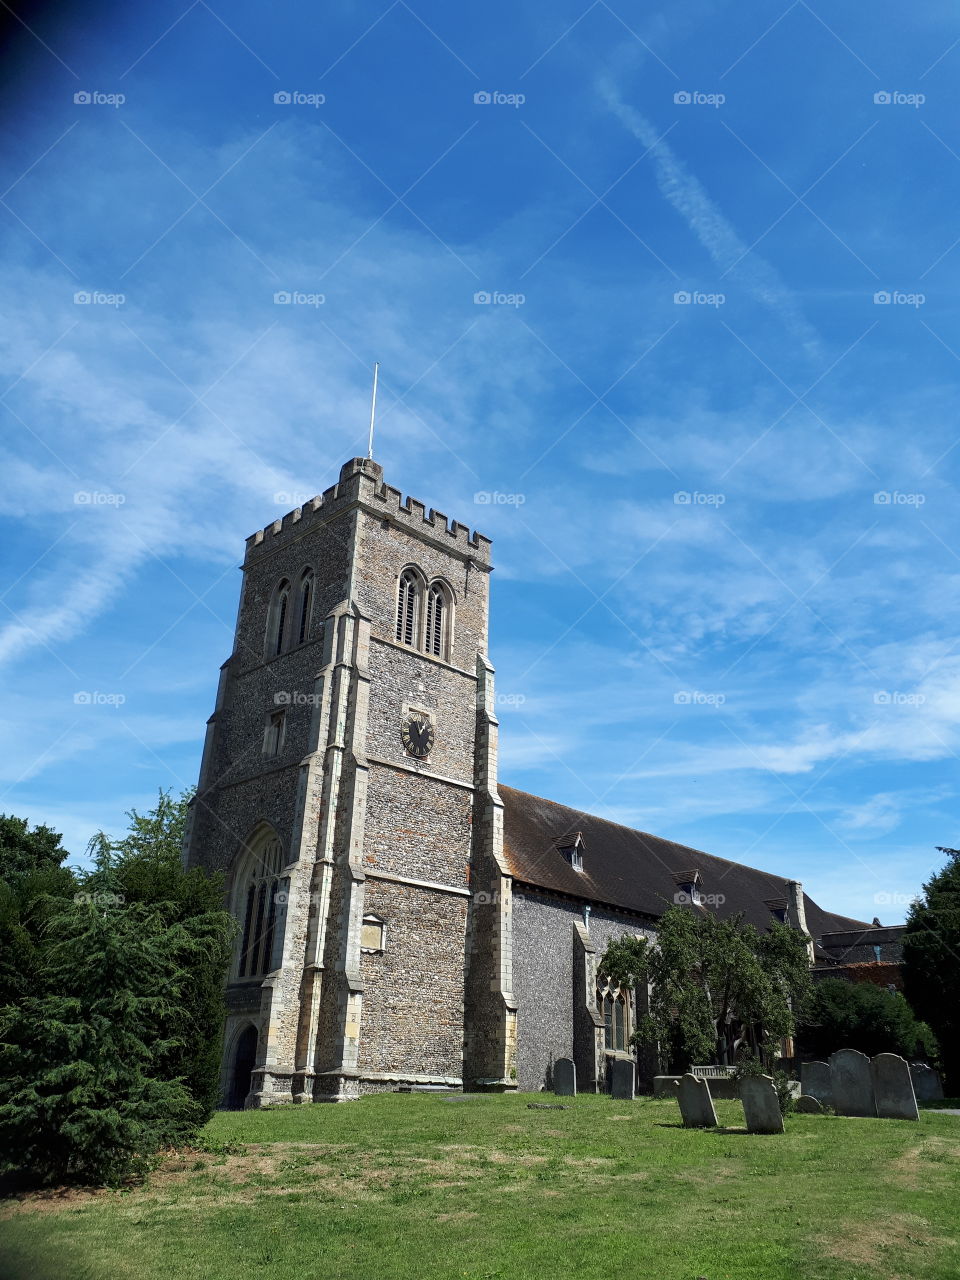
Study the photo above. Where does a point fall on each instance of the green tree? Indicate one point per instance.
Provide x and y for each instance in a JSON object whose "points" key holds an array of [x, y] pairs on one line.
{"points": [[146, 868], [859, 1015], [23, 851], [931, 963], [79, 1095], [718, 987]]}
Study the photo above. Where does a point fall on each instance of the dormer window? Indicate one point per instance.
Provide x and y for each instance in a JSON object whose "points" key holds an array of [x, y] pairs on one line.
{"points": [[689, 885], [778, 909], [572, 850]]}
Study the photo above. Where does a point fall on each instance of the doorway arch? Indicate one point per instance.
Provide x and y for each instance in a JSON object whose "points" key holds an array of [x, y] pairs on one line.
{"points": [[244, 1060]]}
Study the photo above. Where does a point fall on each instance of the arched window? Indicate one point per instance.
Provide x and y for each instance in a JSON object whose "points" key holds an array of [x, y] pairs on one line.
{"points": [[409, 595], [262, 903], [278, 620], [306, 605], [614, 1007], [439, 615]]}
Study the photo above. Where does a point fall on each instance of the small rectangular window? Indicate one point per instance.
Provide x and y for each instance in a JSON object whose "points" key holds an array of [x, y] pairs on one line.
{"points": [[274, 733], [371, 934]]}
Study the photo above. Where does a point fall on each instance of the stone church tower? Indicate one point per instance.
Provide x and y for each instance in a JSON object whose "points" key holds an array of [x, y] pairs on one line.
{"points": [[348, 791]]}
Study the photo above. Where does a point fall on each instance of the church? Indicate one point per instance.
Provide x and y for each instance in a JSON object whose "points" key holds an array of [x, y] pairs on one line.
{"points": [[404, 920]]}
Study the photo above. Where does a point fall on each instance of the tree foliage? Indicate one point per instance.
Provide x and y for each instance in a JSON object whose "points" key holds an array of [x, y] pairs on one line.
{"points": [[718, 988], [859, 1015], [931, 962]]}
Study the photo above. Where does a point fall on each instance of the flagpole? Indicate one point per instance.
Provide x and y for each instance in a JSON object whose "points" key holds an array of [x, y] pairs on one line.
{"points": [[373, 409]]}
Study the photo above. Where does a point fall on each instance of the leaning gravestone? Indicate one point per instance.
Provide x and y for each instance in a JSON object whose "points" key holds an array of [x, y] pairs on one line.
{"points": [[815, 1080], [927, 1085], [761, 1106], [565, 1078], [851, 1084], [696, 1105], [806, 1104], [893, 1088], [622, 1079]]}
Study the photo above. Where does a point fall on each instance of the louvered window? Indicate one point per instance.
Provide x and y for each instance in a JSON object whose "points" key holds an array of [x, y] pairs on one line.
{"points": [[436, 620], [408, 608], [306, 604]]}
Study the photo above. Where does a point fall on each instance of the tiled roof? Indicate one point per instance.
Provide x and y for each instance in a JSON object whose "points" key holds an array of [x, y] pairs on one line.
{"points": [[634, 870]]}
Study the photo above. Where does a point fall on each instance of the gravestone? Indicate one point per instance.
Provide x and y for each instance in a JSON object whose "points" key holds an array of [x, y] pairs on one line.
{"points": [[851, 1084], [927, 1085], [815, 1080], [623, 1074], [761, 1106], [893, 1088], [696, 1105], [808, 1105], [565, 1078]]}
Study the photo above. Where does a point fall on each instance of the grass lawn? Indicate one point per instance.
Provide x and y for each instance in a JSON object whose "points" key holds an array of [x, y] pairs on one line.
{"points": [[405, 1187]]}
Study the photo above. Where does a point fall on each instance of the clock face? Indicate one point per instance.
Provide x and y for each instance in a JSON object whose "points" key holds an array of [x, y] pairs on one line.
{"points": [[417, 736]]}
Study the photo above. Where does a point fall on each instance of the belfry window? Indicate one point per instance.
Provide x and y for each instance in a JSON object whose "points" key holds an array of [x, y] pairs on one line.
{"points": [[263, 906], [306, 605], [278, 620], [614, 1008], [408, 608], [438, 620]]}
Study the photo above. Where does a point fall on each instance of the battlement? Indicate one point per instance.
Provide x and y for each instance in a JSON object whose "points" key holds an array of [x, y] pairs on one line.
{"points": [[361, 481]]}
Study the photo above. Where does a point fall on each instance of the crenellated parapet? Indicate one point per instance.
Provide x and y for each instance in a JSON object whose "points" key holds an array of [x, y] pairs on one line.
{"points": [[361, 484]]}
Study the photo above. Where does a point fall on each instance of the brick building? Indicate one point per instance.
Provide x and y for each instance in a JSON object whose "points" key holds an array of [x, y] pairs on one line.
{"points": [[402, 919]]}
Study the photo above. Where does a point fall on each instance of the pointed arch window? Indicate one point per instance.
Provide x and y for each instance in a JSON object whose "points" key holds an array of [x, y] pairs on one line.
{"points": [[614, 1008], [438, 619], [278, 620], [305, 606], [409, 596], [262, 910]]}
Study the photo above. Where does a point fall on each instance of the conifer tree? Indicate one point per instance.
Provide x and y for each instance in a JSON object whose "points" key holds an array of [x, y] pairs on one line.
{"points": [[931, 963]]}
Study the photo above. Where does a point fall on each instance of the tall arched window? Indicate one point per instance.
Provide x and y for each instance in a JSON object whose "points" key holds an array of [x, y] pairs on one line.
{"points": [[278, 620], [262, 904], [615, 1011], [409, 595], [439, 613], [306, 606]]}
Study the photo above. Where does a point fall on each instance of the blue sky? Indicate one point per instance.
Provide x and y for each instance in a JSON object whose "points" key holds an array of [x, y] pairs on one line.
{"points": [[718, 465]]}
